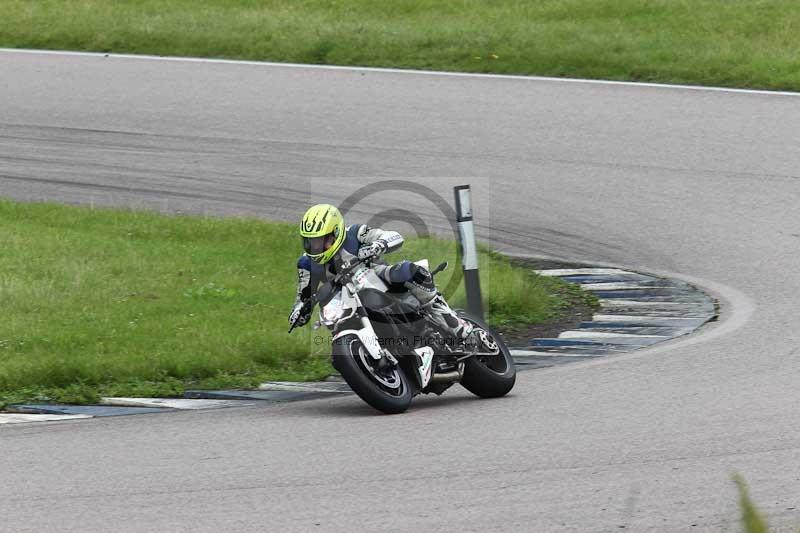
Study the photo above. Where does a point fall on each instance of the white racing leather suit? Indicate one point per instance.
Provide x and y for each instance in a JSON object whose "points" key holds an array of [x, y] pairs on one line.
{"points": [[416, 279]]}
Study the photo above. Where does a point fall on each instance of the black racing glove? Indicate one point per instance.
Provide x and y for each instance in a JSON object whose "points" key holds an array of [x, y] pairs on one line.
{"points": [[300, 315]]}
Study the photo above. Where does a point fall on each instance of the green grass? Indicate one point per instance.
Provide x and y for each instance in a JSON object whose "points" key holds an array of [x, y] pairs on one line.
{"points": [[752, 521], [98, 302], [740, 43]]}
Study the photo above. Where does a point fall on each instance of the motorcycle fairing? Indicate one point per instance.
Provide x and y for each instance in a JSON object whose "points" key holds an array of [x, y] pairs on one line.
{"points": [[425, 369]]}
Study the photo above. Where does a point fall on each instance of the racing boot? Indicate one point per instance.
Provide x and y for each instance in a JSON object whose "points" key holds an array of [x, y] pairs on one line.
{"points": [[455, 323], [424, 290]]}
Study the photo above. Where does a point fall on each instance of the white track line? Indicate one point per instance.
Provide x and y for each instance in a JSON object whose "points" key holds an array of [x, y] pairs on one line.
{"points": [[640, 303], [301, 387], [174, 403], [526, 353], [582, 272], [20, 418], [621, 286], [588, 334], [401, 71], [637, 319]]}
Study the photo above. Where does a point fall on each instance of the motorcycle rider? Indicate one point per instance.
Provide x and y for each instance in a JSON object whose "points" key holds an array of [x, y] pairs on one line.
{"points": [[326, 239]]}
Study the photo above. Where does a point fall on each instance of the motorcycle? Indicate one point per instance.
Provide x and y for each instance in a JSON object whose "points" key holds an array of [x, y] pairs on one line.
{"points": [[388, 349]]}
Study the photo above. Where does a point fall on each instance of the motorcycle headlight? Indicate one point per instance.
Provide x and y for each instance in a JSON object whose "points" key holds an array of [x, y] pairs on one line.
{"points": [[333, 311]]}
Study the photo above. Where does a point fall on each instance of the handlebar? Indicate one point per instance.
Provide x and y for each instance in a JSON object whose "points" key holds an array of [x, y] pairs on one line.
{"points": [[311, 302]]}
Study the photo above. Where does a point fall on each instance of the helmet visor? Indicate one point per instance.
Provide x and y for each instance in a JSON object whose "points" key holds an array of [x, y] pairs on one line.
{"points": [[318, 245]]}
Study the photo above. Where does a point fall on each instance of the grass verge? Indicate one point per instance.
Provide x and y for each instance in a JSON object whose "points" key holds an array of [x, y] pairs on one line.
{"points": [[752, 521], [115, 302], [707, 42]]}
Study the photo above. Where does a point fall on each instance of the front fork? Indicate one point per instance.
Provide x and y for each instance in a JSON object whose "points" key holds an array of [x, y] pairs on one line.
{"points": [[370, 340], [386, 358]]}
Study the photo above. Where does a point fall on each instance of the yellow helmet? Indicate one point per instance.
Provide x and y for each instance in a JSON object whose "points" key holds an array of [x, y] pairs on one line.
{"points": [[323, 232]]}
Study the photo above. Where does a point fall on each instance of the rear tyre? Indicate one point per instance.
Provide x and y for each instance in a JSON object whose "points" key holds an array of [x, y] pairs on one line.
{"points": [[386, 389], [490, 373]]}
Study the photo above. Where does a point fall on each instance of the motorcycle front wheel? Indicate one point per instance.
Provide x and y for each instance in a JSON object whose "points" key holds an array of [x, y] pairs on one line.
{"points": [[385, 389], [490, 373]]}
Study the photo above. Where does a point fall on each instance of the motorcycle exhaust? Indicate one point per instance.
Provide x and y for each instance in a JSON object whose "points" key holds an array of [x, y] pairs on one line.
{"points": [[448, 377]]}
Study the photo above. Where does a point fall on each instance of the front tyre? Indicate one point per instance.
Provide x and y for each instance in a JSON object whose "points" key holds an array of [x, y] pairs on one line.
{"points": [[385, 389], [490, 373]]}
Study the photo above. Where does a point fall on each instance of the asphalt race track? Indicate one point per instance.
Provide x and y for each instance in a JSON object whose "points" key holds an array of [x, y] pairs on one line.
{"points": [[699, 185]]}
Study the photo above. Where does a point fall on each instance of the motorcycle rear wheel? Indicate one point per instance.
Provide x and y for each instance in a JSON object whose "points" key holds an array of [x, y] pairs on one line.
{"points": [[491, 372], [386, 390]]}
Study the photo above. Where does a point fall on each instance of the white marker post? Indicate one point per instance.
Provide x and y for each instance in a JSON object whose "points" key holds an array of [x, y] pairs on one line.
{"points": [[469, 250]]}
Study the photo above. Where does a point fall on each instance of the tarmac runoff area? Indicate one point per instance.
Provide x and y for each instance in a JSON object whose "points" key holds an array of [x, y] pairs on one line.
{"points": [[636, 311]]}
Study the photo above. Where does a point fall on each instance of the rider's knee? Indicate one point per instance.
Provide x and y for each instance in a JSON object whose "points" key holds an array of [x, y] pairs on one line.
{"points": [[421, 275], [401, 272], [412, 272], [416, 279]]}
